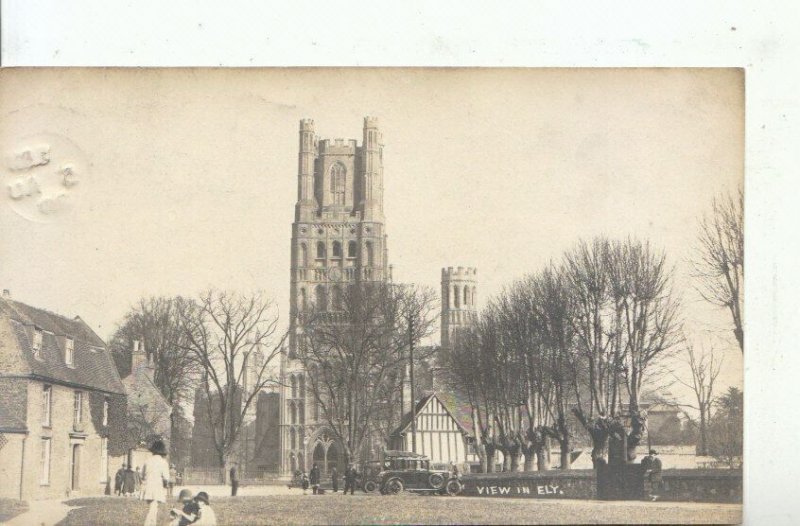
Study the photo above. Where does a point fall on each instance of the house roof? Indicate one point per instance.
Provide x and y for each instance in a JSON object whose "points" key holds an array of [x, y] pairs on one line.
{"points": [[406, 421], [93, 365]]}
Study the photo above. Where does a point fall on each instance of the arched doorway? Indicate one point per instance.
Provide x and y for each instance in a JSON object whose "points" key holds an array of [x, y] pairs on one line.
{"points": [[319, 457]]}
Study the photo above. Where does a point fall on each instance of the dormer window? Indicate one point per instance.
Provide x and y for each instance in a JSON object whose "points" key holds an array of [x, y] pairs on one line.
{"points": [[69, 352], [37, 342]]}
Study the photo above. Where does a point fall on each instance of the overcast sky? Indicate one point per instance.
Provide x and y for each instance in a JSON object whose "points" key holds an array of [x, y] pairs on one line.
{"points": [[186, 179]]}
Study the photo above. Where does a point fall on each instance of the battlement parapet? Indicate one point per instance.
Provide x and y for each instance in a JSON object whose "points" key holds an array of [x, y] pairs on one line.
{"points": [[370, 122], [337, 146], [459, 273], [307, 125]]}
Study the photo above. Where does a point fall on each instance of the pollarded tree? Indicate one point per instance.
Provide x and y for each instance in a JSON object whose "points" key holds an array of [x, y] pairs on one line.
{"points": [[647, 329], [719, 262]]}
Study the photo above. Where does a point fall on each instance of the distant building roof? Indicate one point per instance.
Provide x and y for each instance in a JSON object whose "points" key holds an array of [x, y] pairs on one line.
{"points": [[405, 423], [93, 366]]}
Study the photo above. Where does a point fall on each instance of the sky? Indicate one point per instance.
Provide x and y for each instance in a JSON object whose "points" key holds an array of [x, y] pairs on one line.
{"points": [[181, 180]]}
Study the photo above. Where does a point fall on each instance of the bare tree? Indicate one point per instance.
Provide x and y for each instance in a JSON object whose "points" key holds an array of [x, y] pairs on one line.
{"points": [[647, 328], [704, 366], [355, 350], [156, 323], [235, 339], [719, 262]]}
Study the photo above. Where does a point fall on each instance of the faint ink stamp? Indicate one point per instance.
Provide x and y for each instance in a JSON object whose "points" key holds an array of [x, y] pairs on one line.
{"points": [[43, 175]]}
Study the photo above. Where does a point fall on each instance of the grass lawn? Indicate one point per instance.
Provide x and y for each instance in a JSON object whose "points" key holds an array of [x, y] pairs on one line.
{"points": [[408, 509], [10, 508]]}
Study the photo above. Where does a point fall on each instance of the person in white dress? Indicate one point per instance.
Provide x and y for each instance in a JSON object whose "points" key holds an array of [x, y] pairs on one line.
{"points": [[156, 478], [205, 515]]}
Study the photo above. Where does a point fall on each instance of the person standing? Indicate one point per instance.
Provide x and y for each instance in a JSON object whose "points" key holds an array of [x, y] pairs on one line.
{"points": [[314, 476], [350, 476], [335, 479], [234, 480], [118, 479], [156, 479], [173, 475], [304, 482], [652, 474], [129, 481], [137, 478]]}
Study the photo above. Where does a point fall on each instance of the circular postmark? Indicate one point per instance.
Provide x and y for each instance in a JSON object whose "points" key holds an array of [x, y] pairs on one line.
{"points": [[42, 176]]}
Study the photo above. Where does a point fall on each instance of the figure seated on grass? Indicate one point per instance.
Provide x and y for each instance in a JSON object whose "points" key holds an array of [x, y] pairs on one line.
{"points": [[187, 514]]}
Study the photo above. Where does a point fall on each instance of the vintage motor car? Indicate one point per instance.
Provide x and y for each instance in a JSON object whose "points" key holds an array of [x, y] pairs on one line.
{"points": [[408, 471]]}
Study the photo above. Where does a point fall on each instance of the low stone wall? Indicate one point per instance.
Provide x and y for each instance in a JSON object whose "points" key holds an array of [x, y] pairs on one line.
{"points": [[698, 485], [573, 484], [702, 485]]}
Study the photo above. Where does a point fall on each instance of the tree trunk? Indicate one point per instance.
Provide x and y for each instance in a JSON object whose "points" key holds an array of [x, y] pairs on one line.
{"points": [[565, 454], [506, 460], [490, 459], [529, 456], [225, 464], [541, 459], [703, 438]]}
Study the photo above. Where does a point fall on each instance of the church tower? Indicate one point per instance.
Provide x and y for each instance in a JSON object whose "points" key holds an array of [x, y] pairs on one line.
{"points": [[459, 292], [338, 238]]}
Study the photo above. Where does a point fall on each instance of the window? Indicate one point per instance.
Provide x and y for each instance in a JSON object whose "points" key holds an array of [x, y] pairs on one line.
{"points": [[369, 254], [338, 176], [352, 249], [46, 405], [77, 415], [303, 303], [337, 249], [320, 250], [457, 297], [303, 255], [321, 298], [45, 443], [105, 412], [337, 298], [37, 342], [69, 353], [103, 459], [293, 382], [466, 296]]}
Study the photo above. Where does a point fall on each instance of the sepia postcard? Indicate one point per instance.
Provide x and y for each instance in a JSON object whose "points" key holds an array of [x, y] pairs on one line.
{"points": [[371, 296]]}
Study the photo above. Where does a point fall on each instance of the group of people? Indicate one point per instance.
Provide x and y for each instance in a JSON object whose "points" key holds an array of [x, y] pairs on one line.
{"points": [[314, 480], [154, 484]]}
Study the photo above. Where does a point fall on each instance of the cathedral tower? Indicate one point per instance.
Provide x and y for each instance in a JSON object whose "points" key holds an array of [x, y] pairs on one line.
{"points": [[338, 238], [459, 292]]}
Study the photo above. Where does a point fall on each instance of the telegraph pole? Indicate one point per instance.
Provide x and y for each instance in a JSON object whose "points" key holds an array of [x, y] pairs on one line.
{"points": [[411, 381]]}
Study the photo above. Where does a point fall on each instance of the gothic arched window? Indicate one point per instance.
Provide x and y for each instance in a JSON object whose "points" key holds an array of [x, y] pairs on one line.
{"points": [[456, 297], [320, 250], [337, 249], [337, 298], [369, 254], [338, 178], [303, 259], [352, 249], [302, 301], [293, 382], [320, 298], [466, 296]]}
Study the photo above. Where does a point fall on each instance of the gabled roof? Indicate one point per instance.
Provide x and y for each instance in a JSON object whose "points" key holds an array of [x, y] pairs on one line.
{"points": [[94, 367], [405, 423]]}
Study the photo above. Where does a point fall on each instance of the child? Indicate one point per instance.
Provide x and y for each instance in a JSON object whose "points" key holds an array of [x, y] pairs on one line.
{"points": [[205, 515], [305, 483], [186, 515]]}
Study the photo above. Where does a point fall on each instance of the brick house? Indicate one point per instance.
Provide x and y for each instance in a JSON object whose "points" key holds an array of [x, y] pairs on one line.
{"points": [[60, 401]]}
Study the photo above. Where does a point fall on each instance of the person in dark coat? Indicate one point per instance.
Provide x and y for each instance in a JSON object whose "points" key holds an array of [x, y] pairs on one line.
{"points": [[118, 479], [304, 482], [335, 479], [350, 477], [234, 480], [652, 474], [314, 479], [129, 482]]}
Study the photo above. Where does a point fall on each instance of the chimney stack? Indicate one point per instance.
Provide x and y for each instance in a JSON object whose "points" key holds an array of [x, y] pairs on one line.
{"points": [[138, 356]]}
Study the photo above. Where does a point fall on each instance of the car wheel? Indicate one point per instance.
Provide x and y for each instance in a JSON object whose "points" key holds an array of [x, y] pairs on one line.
{"points": [[370, 486], [394, 487], [436, 480], [453, 487]]}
